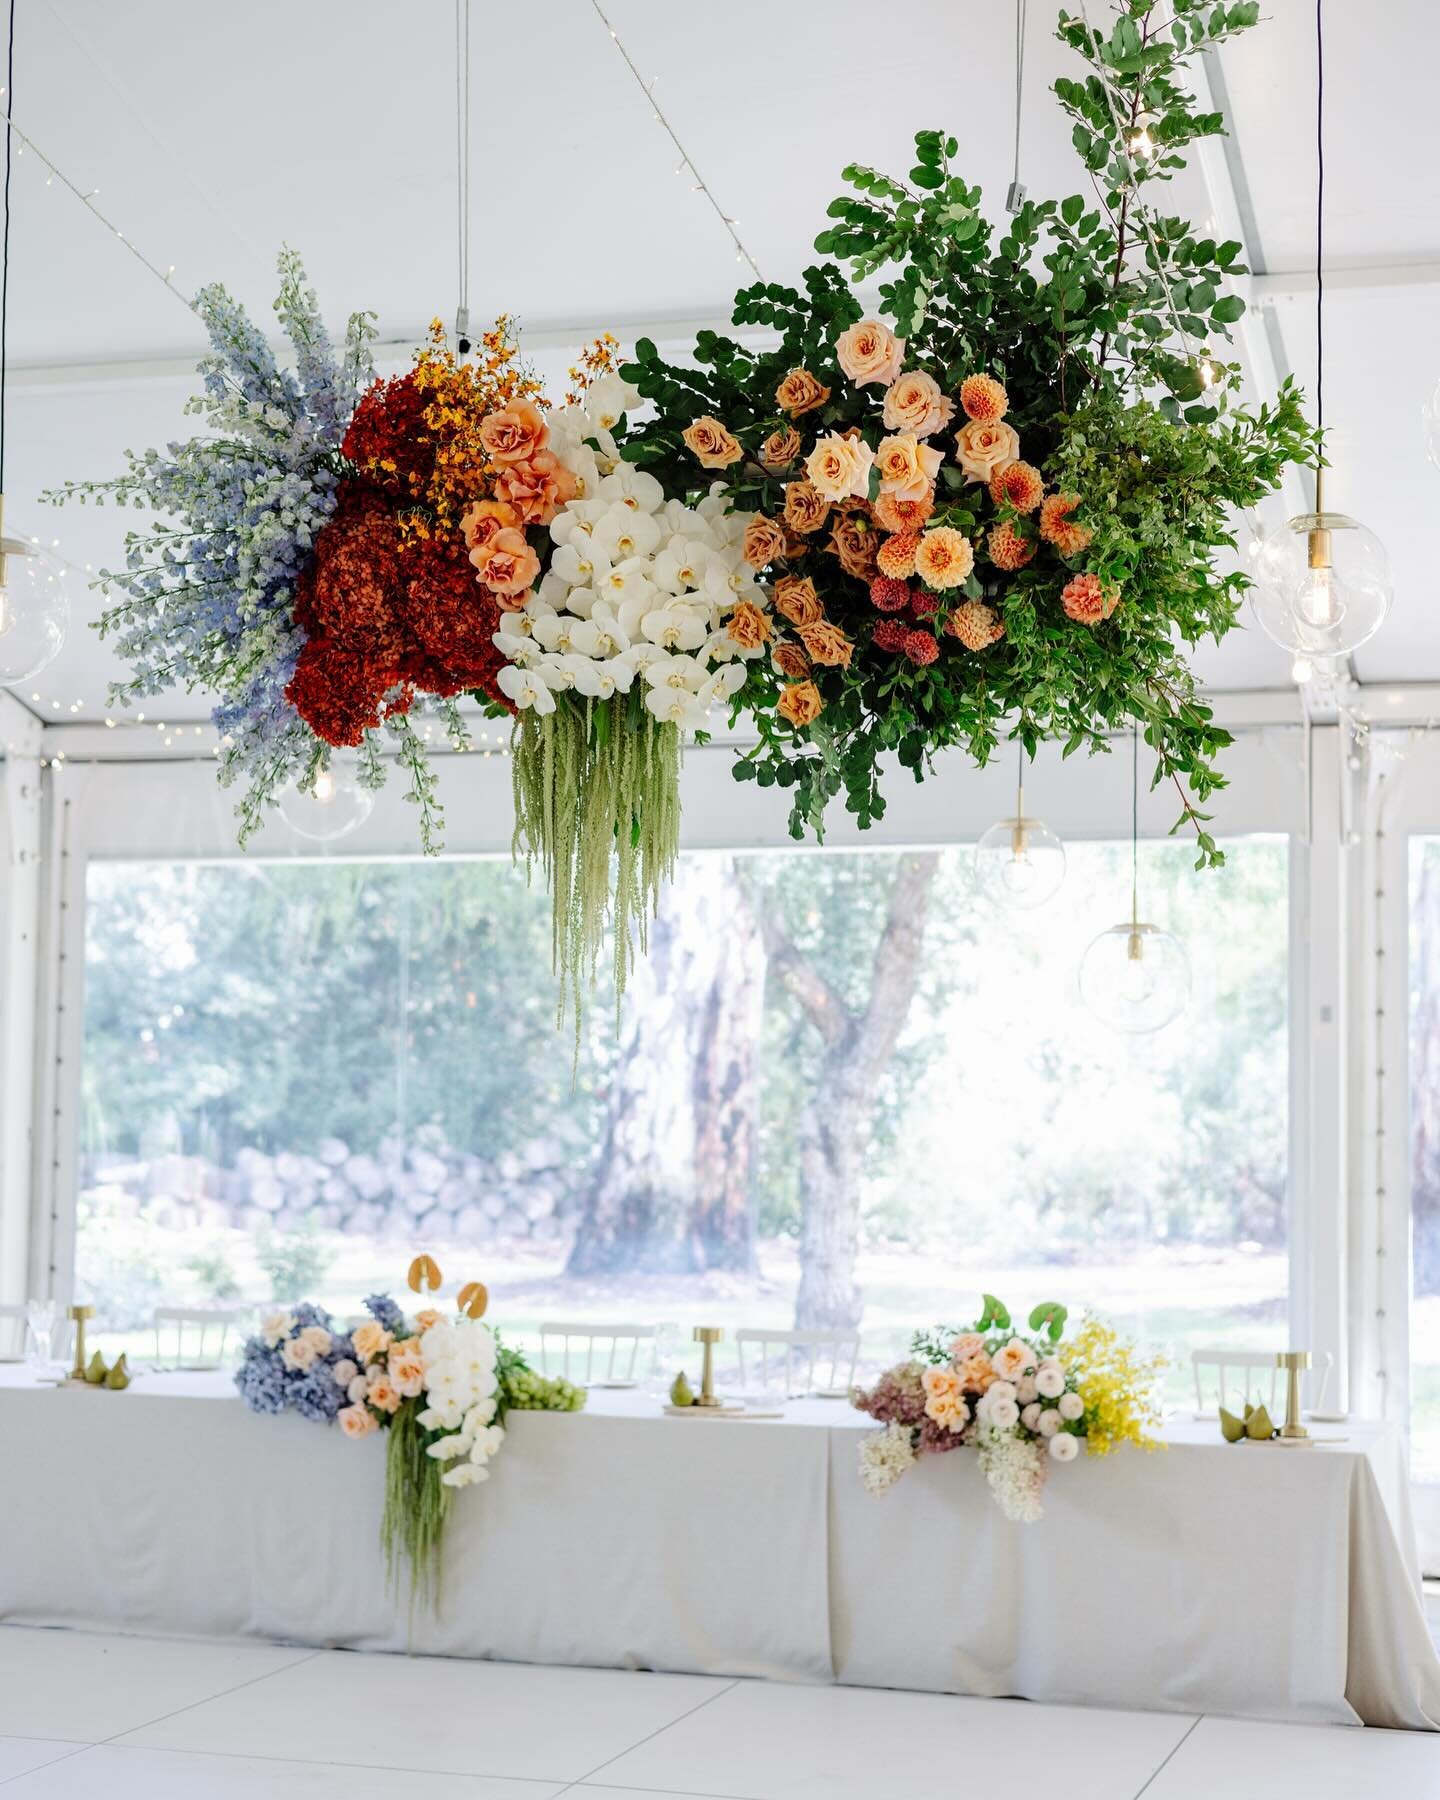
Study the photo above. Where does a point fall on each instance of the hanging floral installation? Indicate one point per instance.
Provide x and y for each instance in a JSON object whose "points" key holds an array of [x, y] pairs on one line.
{"points": [[999, 502], [996, 503]]}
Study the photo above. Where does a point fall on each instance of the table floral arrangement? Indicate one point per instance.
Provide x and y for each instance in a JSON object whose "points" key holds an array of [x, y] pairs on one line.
{"points": [[994, 505], [439, 1385], [1022, 1402]]}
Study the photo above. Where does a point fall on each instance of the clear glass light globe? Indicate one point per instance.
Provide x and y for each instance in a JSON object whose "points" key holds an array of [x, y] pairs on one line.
{"points": [[1322, 585], [333, 807], [1135, 977], [1019, 862], [34, 611]]}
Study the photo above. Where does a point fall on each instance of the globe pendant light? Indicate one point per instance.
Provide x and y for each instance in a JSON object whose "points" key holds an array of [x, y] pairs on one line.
{"points": [[34, 610], [1020, 862], [1323, 583], [1135, 977], [331, 806]]}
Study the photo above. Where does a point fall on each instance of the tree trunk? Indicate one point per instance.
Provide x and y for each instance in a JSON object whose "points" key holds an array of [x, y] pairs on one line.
{"points": [[835, 1126], [673, 1190]]}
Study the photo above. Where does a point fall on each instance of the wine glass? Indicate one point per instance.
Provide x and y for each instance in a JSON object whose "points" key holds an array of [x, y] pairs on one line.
{"points": [[39, 1332]]}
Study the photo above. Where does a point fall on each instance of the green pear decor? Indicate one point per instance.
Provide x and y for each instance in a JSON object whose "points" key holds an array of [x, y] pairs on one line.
{"points": [[95, 1370], [119, 1376], [1256, 1425], [681, 1393]]}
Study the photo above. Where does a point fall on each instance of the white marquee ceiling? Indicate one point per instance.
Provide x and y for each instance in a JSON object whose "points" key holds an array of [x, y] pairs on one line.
{"points": [[215, 133]]}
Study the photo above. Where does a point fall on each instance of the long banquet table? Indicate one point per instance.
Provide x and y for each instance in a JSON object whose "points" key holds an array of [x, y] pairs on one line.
{"points": [[1200, 1578]]}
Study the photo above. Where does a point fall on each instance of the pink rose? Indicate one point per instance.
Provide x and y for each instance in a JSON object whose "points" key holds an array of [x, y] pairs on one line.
{"points": [[356, 1421]]}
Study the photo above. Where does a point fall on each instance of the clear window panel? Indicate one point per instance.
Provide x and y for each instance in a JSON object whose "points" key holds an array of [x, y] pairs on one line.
{"points": [[1425, 1159], [843, 1090]]}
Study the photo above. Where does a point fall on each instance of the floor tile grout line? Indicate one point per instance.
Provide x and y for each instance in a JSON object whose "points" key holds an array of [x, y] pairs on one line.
{"points": [[1169, 1757], [671, 1793], [224, 1693], [329, 1762], [650, 1736], [54, 1762]]}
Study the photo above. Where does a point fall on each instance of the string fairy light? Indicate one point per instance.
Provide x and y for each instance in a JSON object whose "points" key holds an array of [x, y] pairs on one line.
{"points": [[87, 198], [699, 185]]}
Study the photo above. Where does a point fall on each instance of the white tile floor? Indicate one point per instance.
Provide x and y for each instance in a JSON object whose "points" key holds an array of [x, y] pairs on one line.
{"points": [[155, 1719]]}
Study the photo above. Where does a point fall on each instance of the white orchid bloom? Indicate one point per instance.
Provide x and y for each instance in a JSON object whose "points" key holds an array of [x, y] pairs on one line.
{"points": [[630, 613], [619, 670], [580, 564], [523, 622], [516, 647], [727, 581], [686, 672], [597, 638], [558, 672], [640, 655], [681, 565], [633, 488], [577, 520], [628, 580], [727, 682], [608, 400], [675, 628], [527, 688], [583, 674], [581, 602], [621, 535], [676, 706], [603, 679], [553, 633], [554, 590]]}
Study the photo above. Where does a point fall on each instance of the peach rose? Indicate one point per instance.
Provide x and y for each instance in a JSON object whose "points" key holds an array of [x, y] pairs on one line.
{"points": [[507, 565], [1013, 1359], [383, 1394], [800, 704], [356, 1421], [916, 404], [764, 542], [976, 625], [806, 508], [840, 466], [983, 399], [826, 644], [940, 1381], [969, 1343], [515, 433], [797, 601], [536, 490], [479, 523], [981, 448], [896, 514], [780, 449], [950, 1412], [407, 1374], [791, 661], [1017, 484], [1059, 528], [747, 626], [318, 1338], [425, 1319], [712, 446], [896, 556], [869, 352], [800, 393], [854, 540], [370, 1340], [907, 467], [296, 1353], [976, 1373], [944, 558]]}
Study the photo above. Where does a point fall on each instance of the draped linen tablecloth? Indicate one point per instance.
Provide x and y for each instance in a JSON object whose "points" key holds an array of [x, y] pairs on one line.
{"points": [[1205, 1577]]}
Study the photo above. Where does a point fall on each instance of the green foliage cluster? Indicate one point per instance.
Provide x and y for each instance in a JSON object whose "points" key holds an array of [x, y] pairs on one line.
{"points": [[1107, 322]]}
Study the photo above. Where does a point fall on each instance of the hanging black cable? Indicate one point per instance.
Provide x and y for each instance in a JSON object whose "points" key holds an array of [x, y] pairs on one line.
{"points": [[5, 239]]}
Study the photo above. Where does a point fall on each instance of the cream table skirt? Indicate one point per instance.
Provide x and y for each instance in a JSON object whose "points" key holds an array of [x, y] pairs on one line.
{"points": [[1203, 1577]]}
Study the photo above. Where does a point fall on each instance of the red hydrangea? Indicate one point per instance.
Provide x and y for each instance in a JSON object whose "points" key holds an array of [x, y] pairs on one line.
{"points": [[388, 441], [451, 619], [888, 594], [921, 648]]}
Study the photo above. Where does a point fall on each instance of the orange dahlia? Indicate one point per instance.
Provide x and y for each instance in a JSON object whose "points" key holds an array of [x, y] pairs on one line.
{"points": [[976, 625], [1007, 548], [1087, 599], [1057, 527], [983, 399], [944, 557], [893, 514], [1017, 484], [896, 556]]}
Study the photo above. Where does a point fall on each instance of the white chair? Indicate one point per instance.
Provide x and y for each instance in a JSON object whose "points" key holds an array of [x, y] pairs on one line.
{"points": [[618, 1345], [1256, 1379], [208, 1321], [824, 1354]]}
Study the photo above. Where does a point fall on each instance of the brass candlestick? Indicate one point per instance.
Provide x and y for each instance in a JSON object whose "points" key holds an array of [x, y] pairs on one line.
{"points": [[78, 1315], [709, 1336], [1292, 1361]]}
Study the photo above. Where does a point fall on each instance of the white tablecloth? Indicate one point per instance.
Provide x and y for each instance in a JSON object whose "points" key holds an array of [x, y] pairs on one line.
{"points": [[1204, 1577]]}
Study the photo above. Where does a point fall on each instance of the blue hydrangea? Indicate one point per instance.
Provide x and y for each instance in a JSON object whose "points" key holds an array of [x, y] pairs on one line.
{"points": [[267, 1385], [385, 1312]]}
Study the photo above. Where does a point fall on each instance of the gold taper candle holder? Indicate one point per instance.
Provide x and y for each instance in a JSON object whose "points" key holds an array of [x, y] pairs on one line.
{"points": [[1292, 1361], [709, 1336], [78, 1315]]}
